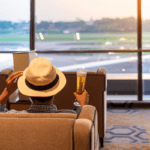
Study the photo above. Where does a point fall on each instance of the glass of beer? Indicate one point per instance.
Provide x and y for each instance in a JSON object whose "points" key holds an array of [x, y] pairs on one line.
{"points": [[81, 80]]}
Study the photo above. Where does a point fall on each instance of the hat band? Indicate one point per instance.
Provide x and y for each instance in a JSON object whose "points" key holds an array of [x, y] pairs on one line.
{"points": [[45, 87]]}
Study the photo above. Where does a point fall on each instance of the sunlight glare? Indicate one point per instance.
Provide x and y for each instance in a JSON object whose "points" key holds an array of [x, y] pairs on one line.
{"points": [[146, 9]]}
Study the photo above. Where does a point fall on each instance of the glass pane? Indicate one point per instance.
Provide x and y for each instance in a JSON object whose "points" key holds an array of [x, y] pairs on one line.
{"points": [[146, 24], [86, 25], [121, 70], [146, 75], [14, 25], [6, 61], [146, 46]]}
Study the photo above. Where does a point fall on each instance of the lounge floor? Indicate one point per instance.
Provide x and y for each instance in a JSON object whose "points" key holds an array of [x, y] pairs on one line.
{"points": [[127, 129]]}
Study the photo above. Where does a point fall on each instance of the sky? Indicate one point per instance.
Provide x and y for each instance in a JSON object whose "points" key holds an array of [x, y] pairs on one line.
{"points": [[14, 10], [71, 10]]}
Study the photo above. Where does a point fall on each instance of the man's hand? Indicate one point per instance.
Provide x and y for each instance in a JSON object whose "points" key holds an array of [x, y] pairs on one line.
{"points": [[11, 86], [83, 98]]}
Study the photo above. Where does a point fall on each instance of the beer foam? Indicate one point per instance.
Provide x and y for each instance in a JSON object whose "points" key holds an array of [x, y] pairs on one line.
{"points": [[81, 74]]}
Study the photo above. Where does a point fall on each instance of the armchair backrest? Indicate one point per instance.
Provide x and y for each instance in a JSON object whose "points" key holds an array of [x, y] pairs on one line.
{"points": [[95, 86], [32, 133]]}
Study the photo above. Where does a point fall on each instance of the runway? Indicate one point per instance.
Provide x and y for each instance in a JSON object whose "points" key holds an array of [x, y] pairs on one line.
{"points": [[112, 62]]}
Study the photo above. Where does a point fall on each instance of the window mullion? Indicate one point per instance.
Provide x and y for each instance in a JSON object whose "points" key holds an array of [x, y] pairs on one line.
{"points": [[139, 43], [32, 24]]}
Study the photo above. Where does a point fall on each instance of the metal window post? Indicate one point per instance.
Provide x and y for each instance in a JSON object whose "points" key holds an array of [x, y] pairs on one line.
{"points": [[32, 24], [139, 42]]}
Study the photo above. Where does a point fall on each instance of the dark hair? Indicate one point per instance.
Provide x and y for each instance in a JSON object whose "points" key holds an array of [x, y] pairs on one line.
{"points": [[42, 99]]}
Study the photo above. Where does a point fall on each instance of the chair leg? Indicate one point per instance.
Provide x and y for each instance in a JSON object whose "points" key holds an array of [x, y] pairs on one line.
{"points": [[102, 142]]}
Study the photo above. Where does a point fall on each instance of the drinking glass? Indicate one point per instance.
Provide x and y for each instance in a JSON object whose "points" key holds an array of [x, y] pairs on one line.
{"points": [[81, 80]]}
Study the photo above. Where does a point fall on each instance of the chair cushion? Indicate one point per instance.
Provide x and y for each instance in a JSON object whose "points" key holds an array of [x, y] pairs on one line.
{"points": [[36, 133], [38, 115]]}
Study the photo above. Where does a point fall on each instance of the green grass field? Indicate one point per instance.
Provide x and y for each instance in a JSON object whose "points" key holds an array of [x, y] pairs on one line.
{"points": [[98, 38], [89, 36]]}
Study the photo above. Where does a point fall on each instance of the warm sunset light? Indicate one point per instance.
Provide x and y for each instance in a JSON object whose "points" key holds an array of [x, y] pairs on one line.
{"points": [[145, 9], [82, 9]]}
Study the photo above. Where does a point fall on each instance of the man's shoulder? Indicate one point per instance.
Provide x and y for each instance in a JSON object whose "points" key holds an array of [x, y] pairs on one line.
{"points": [[66, 111]]}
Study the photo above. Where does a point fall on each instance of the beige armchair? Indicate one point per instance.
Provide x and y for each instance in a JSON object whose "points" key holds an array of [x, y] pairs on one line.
{"points": [[96, 86], [50, 131]]}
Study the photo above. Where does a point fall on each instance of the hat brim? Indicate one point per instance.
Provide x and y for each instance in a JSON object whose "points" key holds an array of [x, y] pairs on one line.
{"points": [[25, 90]]}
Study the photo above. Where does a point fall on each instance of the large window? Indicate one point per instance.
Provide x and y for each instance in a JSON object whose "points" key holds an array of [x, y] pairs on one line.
{"points": [[14, 25], [90, 25], [106, 30], [14, 29], [86, 25]]}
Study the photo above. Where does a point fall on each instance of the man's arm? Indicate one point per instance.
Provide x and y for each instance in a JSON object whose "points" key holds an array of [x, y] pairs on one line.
{"points": [[10, 88]]}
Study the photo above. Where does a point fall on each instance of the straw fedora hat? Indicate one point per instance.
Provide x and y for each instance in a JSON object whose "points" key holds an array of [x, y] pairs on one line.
{"points": [[41, 79]]}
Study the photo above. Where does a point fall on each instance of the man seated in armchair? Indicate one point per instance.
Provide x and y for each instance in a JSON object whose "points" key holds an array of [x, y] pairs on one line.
{"points": [[41, 81]]}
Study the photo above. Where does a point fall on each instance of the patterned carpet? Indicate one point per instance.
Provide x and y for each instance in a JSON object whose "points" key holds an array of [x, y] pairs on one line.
{"points": [[127, 129]]}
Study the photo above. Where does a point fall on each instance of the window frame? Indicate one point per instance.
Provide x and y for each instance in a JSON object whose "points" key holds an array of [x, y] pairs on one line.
{"points": [[138, 51]]}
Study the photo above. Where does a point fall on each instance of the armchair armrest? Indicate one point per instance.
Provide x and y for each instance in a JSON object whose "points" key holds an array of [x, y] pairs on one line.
{"points": [[89, 112], [6, 72], [83, 135], [101, 71]]}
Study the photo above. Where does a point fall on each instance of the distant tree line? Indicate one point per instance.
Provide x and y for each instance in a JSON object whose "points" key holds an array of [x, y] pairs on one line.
{"points": [[116, 25], [104, 25], [5, 25]]}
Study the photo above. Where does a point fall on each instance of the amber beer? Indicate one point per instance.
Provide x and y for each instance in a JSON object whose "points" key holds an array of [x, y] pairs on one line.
{"points": [[81, 80]]}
